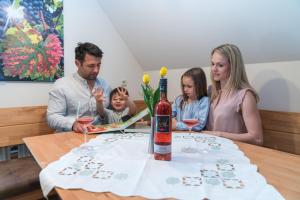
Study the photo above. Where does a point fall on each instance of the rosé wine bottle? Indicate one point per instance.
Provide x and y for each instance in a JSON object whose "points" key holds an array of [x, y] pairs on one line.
{"points": [[163, 125]]}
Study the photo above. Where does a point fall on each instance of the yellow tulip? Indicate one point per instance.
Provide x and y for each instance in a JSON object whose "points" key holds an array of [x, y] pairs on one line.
{"points": [[146, 79], [163, 71]]}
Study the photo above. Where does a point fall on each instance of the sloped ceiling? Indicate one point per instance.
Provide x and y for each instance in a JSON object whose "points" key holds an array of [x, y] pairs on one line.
{"points": [[181, 33]]}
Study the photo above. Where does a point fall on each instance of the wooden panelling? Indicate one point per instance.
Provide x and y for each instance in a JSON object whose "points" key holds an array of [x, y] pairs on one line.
{"points": [[22, 115], [281, 121], [282, 141], [13, 135], [281, 130], [140, 104], [20, 122]]}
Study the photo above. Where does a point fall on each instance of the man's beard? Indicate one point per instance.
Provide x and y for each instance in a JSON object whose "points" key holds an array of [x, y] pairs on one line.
{"points": [[91, 77]]}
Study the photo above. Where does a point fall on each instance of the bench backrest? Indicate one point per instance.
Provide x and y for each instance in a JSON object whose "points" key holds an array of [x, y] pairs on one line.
{"points": [[19, 122], [281, 130], [140, 105]]}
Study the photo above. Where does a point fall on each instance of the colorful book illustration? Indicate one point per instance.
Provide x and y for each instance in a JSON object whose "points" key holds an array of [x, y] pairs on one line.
{"points": [[119, 126]]}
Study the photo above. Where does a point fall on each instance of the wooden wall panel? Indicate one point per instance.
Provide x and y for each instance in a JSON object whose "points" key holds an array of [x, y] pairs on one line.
{"points": [[22, 115], [281, 121], [281, 130], [12, 135], [140, 104], [19, 122], [282, 141]]}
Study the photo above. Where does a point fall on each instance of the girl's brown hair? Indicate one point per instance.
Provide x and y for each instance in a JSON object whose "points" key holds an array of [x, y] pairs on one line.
{"points": [[199, 79]]}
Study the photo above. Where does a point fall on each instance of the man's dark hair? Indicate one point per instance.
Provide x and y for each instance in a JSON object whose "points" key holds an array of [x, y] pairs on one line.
{"points": [[87, 48]]}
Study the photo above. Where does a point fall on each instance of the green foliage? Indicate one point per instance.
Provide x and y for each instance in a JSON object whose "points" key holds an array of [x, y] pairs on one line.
{"points": [[151, 97]]}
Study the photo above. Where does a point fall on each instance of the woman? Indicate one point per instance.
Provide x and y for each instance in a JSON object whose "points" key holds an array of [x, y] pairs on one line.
{"points": [[233, 111]]}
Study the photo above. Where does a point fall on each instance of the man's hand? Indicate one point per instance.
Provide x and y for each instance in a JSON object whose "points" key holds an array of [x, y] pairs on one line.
{"points": [[78, 127], [81, 128]]}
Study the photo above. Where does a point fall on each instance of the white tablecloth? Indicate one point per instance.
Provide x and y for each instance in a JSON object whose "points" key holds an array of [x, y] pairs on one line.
{"points": [[202, 166]]}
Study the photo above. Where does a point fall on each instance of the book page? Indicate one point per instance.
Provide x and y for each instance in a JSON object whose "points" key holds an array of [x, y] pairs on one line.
{"points": [[119, 126]]}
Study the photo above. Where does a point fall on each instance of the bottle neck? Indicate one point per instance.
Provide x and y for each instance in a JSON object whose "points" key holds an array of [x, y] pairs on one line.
{"points": [[163, 95], [163, 89]]}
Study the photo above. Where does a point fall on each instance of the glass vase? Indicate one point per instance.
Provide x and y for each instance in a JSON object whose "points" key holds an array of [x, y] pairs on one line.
{"points": [[151, 136]]}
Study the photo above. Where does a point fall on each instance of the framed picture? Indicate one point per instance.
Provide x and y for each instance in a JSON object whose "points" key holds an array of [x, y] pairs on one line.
{"points": [[31, 40]]}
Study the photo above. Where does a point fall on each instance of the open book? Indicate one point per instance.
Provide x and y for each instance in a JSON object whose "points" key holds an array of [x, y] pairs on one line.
{"points": [[119, 126]]}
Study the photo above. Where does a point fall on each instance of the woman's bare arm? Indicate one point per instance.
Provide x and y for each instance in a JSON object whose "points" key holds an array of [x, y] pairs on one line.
{"points": [[252, 122]]}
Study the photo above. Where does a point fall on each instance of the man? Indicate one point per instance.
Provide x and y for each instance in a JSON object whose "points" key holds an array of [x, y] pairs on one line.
{"points": [[73, 96]]}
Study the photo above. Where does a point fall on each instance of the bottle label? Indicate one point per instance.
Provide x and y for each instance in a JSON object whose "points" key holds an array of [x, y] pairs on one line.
{"points": [[162, 149], [162, 124]]}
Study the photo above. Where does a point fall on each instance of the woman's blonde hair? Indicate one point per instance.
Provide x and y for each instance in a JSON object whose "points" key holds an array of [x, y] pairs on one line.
{"points": [[238, 77]]}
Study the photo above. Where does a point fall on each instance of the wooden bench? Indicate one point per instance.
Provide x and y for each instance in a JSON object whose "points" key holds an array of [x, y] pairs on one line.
{"points": [[281, 130], [19, 178]]}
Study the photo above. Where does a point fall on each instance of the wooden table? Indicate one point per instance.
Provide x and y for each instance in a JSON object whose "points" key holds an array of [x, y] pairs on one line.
{"points": [[282, 170]]}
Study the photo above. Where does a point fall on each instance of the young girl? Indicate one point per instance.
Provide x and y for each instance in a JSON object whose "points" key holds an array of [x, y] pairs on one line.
{"points": [[193, 103], [120, 106]]}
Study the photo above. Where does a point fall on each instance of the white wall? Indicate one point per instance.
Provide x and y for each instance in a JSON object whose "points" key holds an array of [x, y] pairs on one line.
{"points": [[278, 84], [84, 21], [181, 33]]}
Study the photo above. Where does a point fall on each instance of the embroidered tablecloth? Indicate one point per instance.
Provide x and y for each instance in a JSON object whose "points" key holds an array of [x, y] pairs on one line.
{"points": [[202, 166]]}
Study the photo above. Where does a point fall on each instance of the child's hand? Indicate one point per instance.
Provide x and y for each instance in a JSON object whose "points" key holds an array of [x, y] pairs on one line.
{"points": [[122, 93], [99, 95]]}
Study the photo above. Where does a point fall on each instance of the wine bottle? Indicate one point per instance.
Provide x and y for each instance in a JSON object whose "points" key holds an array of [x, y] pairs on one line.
{"points": [[163, 125]]}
